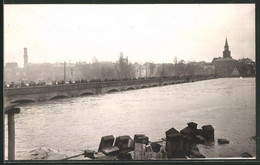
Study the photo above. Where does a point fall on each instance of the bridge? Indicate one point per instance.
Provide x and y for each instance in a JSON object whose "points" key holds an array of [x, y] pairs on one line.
{"points": [[49, 92]]}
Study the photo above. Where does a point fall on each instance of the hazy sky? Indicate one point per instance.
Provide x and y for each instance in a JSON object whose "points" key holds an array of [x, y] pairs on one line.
{"points": [[153, 33]]}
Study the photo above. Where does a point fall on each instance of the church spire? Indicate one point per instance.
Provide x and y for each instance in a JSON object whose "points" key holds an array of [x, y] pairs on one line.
{"points": [[226, 44], [226, 52]]}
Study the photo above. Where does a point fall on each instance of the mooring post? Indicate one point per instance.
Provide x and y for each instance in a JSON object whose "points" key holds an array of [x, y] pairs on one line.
{"points": [[11, 132]]}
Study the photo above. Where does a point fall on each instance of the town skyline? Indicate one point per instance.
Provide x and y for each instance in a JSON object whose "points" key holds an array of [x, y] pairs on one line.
{"points": [[144, 33]]}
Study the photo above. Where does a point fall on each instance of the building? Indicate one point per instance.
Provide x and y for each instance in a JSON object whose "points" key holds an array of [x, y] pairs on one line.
{"points": [[123, 60], [224, 67], [12, 72], [209, 69], [227, 66], [11, 66]]}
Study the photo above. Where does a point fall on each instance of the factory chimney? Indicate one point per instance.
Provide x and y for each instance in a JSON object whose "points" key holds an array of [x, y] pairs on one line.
{"points": [[25, 57]]}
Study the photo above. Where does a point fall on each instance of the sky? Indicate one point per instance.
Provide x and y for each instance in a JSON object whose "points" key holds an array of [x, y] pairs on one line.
{"points": [[143, 32]]}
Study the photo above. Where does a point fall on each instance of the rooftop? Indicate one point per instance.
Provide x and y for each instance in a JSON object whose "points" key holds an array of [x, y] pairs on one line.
{"points": [[224, 59]]}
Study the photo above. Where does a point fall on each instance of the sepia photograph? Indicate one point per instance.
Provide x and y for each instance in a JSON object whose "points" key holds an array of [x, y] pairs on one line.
{"points": [[127, 82]]}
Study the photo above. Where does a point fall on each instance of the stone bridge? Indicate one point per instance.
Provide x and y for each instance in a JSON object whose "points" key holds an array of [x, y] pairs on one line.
{"points": [[49, 92]]}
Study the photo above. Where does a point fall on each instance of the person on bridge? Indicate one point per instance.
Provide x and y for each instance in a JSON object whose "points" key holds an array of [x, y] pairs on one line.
{"points": [[12, 85], [23, 84]]}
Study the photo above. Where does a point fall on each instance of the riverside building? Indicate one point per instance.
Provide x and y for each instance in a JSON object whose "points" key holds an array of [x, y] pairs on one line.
{"points": [[227, 66]]}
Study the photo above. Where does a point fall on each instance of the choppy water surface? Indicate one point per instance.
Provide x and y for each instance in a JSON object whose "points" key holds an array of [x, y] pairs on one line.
{"points": [[228, 104]]}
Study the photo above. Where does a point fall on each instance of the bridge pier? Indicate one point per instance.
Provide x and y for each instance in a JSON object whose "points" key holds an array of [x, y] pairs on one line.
{"points": [[160, 83], [98, 91]]}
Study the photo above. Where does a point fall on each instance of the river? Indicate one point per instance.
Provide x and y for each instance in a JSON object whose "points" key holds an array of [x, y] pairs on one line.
{"points": [[228, 104]]}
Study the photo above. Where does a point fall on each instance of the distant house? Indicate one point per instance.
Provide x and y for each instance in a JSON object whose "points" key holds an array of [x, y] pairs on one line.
{"points": [[11, 65], [209, 69], [235, 72], [12, 72], [140, 70]]}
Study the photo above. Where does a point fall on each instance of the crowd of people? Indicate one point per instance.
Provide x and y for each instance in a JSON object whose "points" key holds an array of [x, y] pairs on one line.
{"points": [[23, 84], [55, 82]]}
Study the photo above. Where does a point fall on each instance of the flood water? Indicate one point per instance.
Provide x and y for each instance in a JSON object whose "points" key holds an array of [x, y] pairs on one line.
{"points": [[228, 104]]}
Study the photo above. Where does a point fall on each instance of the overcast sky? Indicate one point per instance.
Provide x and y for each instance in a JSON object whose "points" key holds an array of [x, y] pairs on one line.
{"points": [[152, 33]]}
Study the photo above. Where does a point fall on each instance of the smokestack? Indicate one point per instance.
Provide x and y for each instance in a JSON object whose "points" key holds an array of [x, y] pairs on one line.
{"points": [[25, 51], [25, 57]]}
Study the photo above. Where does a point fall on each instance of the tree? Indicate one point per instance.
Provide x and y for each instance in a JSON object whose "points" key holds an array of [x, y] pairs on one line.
{"points": [[152, 69], [181, 62], [190, 69], [179, 69], [163, 71], [175, 60], [107, 73], [123, 67], [95, 69]]}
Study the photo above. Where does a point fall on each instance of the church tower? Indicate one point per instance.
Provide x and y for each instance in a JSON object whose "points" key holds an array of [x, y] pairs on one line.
{"points": [[226, 52], [25, 58]]}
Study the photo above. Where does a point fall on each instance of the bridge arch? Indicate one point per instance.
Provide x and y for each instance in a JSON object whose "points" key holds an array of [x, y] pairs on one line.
{"points": [[144, 86], [154, 85], [23, 101], [165, 83], [130, 88], [58, 97], [86, 93], [112, 90]]}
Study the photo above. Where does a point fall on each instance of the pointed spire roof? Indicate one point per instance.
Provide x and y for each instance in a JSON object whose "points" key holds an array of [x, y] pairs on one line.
{"points": [[226, 44]]}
